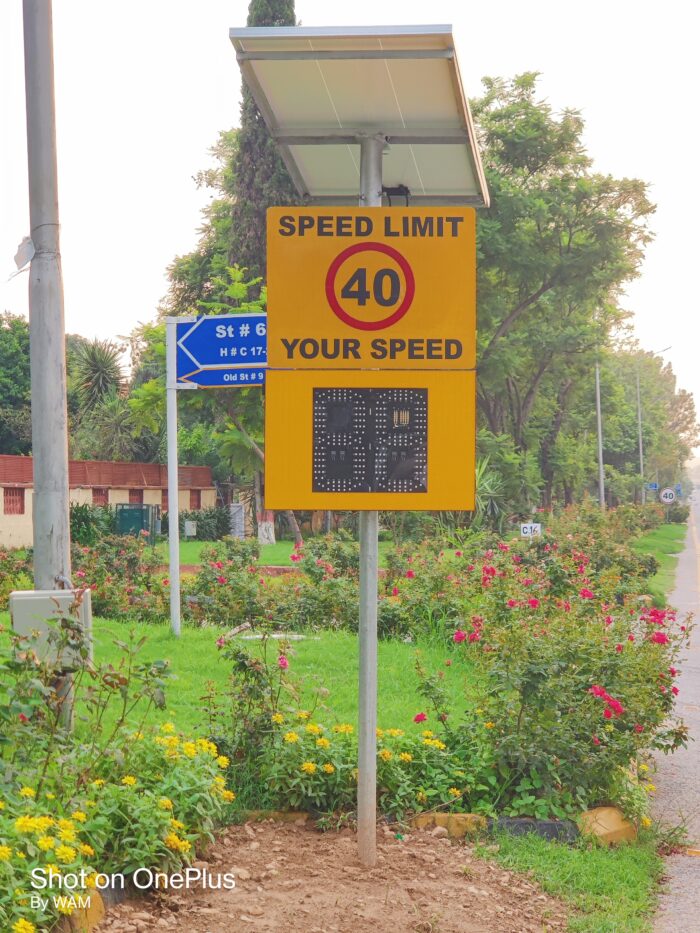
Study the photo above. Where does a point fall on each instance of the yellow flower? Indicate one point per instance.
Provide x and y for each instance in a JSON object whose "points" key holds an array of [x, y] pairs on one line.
{"points": [[20, 854], [5, 853], [343, 728], [488, 725], [138, 736], [222, 761], [25, 824], [643, 768], [427, 734], [189, 749], [172, 754], [454, 792], [45, 843], [90, 804], [421, 797], [291, 737], [386, 755], [404, 756], [27, 792], [50, 797], [204, 745], [308, 767], [64, 905], [42, 823], [219, 781], [176, 825], [51, 866], [650, 788], [435, 743], [129, 780], [380, 733], [85, 849], [328, 768], [479, 712], [165, 803], [167, 727], [91, 880], [313, 728], [323, 743], [79, 816], [303, 714], [23, 926], [277, 718], [646, 822], [65, 854], [228, 796], [2, 805], [98, 783], [394, 733]]}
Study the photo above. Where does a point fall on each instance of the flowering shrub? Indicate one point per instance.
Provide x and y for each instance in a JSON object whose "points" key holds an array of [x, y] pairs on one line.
{"points": [[15, 573], [101, 798]]}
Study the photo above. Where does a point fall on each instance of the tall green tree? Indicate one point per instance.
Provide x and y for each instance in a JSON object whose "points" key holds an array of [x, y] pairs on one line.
{"points": [[15, 405], [261, 179], [97, 372]]}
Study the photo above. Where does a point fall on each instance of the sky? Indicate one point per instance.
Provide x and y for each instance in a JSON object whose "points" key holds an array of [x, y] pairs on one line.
{"points": [[143, 88]]}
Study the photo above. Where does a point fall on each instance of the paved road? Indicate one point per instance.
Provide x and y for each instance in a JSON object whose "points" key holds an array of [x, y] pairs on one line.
{"points": [[678, 775]]}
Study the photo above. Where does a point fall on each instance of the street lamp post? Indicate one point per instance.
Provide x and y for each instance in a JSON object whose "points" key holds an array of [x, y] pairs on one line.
{"points": [[639, 429]]}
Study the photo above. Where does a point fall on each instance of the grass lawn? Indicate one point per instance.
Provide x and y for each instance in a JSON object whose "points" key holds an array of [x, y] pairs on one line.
{"points": [[327, 660], [665, 543], [611, 889], [271, 555]]}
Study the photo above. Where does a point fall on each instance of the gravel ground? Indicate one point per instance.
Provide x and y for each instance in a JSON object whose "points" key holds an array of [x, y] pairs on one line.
{"points": [[678, 796]]}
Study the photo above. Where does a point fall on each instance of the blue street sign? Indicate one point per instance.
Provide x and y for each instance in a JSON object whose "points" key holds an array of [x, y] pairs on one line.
{"points": [[679, 489], [217, 350], [653, 486]]}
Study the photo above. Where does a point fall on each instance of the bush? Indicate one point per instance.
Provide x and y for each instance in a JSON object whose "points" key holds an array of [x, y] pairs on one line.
{"points": [[212, 524], [90, 523], [15, 573]]}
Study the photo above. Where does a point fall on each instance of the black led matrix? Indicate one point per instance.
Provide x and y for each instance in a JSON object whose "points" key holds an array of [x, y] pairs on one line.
{"points": [[370, 440]]}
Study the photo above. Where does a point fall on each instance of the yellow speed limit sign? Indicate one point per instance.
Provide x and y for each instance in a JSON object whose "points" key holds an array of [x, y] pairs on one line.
{"points": [[367, 288]]}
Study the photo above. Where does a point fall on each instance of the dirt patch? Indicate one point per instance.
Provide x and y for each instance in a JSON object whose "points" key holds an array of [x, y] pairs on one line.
{"points": [[293, 878]]}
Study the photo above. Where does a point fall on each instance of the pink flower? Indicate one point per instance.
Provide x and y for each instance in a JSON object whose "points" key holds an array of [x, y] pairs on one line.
{"points": [[295, 558], [218, 564], [474, 636], [410, 574], [221, 579], [618, 648], [675, 691], [420, 717], [282, 662], [586, 594], [630, 637], [638, 727], [607, 712], [470, 566], [597, 691], [672, 671], [395, 591], [533, 602], [458, 553], [608, 620], [23, 718], [596, 740], [459, 636], [80, 573], [220, 642], [512, 603], [166, 582], [659, 638], [503, 547], [528, 581]]}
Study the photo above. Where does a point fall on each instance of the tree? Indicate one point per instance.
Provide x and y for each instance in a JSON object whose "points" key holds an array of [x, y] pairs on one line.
{"points": [[260, 177], [97, 372], [15, 406]]}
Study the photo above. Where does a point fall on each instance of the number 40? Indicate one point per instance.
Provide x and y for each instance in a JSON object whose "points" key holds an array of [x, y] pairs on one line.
{"points": [[356, 287]]}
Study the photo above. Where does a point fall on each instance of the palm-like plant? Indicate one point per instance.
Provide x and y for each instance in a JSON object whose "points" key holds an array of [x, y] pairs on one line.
{"points": [[98, 372]]}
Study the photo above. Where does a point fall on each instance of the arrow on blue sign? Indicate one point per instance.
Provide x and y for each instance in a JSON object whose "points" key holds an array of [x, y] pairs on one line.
{"points": [[224, 345]]}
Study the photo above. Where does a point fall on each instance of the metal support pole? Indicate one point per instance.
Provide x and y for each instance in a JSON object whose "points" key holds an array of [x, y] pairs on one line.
{"points": [[371, 149], [173, 486], [641, 443], [601, 471], [50, 519]]}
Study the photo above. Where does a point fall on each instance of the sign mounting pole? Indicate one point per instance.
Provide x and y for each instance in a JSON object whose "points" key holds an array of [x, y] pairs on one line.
{"points": [[371, 149], [173, 485]]}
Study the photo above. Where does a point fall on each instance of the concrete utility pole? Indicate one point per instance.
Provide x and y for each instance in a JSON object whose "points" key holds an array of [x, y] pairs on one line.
{"points": [[601, 470], [371, 149], [46, 327], [641, 443]]}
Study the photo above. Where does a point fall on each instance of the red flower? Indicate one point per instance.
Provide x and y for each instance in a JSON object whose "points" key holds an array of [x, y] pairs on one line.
{"points": [[458, 553], [672, 671], [608, 620], [607, 712], [23, 718], [410, 574], [470, 566], [533, 602], [220, 642], [596, 740], [295, 557], [586, 594], [459, 636], [528, 581], [659, 638], [618, 648], [630, 637], [420, 717], [282, 662], [512, 603], [448, 662], [474, 636], [638, 727], [166, 582], [597, 691], [221, 579], [503, 547], [675, 691], [395, 591]]}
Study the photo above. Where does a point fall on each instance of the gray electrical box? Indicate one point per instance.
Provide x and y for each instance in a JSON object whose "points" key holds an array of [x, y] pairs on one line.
{"points": [[33, 610]]}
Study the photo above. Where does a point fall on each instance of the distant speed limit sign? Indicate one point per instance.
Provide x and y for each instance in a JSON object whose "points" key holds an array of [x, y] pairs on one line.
{"points": [[667, 496]]}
